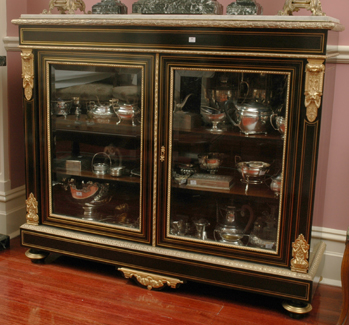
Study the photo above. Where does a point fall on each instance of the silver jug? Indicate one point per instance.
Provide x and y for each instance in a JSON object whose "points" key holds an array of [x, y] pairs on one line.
{"points": [[230, 227]]}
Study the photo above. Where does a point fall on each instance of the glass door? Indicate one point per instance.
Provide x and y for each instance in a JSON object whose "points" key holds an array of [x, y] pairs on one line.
{"points": [[95, 139], [226, 167]]}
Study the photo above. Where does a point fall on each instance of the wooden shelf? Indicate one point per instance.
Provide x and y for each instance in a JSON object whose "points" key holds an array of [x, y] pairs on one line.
{"points": [[59, 123], [238, 188], [90, 174]]}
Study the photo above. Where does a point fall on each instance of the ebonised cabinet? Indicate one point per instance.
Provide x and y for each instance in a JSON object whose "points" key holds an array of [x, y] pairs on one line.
{"points": [[178, 147]]}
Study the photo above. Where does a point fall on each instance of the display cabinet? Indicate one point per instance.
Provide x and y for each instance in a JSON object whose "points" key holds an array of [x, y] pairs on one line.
{"points": [[178, 148]]}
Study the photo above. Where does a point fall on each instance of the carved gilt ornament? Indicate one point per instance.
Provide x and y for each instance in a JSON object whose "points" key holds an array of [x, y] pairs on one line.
{"points": [[162, 154], [291, 6], [28, 72], [314, 80], [300, 254], [66, 5], [149, 280], [32, 210]]}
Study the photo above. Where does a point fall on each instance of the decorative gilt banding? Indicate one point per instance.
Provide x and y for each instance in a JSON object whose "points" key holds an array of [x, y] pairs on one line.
{"points": [[300, 254], [32, 210], [162, 154], [150, 280], [314, 80], [295, 5], [178, 21], [28, 72], [64, 6]]}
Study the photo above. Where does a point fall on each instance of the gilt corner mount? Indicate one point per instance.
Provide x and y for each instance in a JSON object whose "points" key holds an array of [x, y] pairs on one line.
{"points": [[28, 72], [300, 254], [291, 6], [64, 6], [32, 210], [314, 80]]}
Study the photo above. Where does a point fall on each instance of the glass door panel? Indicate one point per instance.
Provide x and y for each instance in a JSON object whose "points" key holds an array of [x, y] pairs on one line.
{"points": [[95, 137], [227, 159]]}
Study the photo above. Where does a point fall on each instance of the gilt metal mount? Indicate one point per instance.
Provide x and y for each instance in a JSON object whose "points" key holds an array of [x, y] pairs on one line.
{"points": [[64, 6], [28, 72], [295, 5], [32, 210], [314, 80], [300, 254], [150, 280]]}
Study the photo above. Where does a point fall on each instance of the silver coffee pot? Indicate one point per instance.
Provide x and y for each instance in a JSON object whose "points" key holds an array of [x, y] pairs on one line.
{"points": [[231, 227]]}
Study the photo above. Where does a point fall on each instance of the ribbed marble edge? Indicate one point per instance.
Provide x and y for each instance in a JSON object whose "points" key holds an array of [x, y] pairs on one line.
{"points": [[227, 21], [315, 256]]}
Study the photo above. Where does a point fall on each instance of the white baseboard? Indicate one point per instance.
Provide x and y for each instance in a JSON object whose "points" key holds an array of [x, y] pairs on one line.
{"points": [[330, 267], [12, 211]]}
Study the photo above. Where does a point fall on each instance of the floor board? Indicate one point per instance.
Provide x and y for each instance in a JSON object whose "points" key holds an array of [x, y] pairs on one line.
{"points": [[67, 290]]}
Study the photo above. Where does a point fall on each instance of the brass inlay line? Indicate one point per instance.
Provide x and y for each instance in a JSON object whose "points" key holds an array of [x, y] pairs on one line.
{"points": [[194, 51], [301, 188], [156, 121]]}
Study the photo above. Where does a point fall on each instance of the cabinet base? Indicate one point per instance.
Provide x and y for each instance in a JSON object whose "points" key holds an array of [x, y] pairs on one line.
{"points": [[150, 280], [171, 264]]}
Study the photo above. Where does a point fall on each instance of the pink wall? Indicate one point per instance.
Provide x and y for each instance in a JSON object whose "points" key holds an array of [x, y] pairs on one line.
{"points": [[334, 213]]}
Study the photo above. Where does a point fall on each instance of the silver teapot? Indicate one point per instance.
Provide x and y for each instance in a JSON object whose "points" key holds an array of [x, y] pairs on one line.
{"points": [[251, 117], [102, 112], [230, 228]]}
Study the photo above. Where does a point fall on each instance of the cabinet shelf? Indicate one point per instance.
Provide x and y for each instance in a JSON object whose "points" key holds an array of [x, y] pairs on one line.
{"points": [[91, 175], [238, 188], [205, 132], [108, 127]]}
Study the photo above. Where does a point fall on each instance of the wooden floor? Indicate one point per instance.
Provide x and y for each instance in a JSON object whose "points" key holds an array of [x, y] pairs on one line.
{"points": [[70, 291]]}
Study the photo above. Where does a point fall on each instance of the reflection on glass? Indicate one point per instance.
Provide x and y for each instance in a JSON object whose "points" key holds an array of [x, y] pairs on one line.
{"points": [[228, 145], [95, 140]]}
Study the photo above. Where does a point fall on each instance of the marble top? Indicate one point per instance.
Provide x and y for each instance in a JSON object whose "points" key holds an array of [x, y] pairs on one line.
{"points": [[242, 21]]}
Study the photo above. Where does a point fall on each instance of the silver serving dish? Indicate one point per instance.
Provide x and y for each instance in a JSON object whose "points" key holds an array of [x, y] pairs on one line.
{"points": [[90, 195], [210, 161], [128, 112], [213, 116], [252, 172], [117, 171]]}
